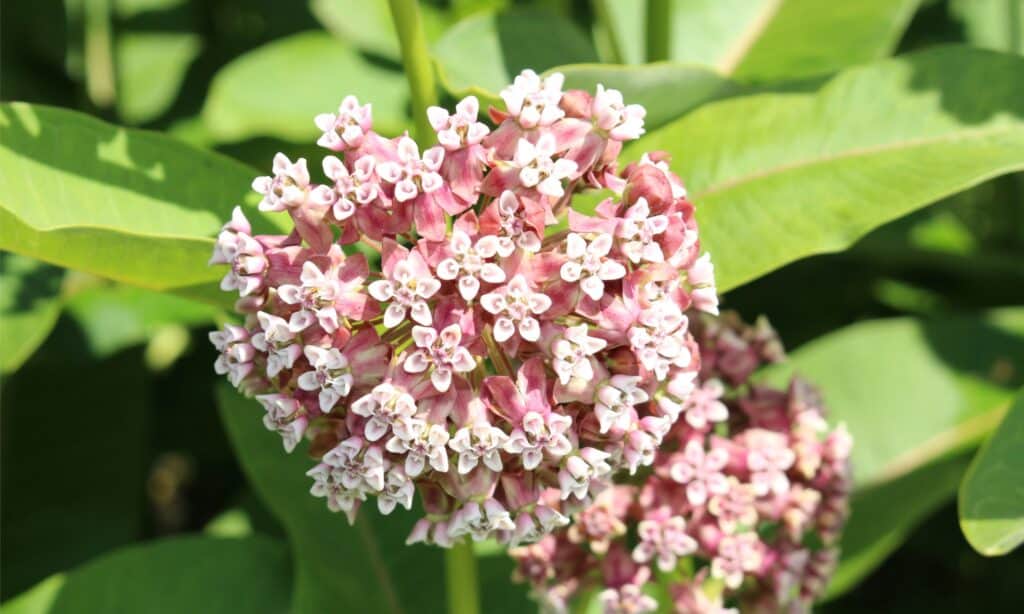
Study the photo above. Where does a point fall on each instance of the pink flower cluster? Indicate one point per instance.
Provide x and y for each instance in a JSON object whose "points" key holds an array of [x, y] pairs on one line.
{"points": [[743, 506], [498, 352]]}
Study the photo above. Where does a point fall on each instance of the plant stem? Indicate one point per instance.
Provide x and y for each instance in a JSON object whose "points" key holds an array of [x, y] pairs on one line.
{"points": [[460, 575], [659, 28], [611, 33], [416, 61]]}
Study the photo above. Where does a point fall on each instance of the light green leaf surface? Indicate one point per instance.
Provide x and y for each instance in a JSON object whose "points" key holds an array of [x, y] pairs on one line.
{"points": [[129, 205], [173, 576], [771, 39], [993, 24], [777, 177], [992, 494], [276, 90], [364, 568], [29, 306], [483, 53], [151, 67], [367, 24], [913, 393]]}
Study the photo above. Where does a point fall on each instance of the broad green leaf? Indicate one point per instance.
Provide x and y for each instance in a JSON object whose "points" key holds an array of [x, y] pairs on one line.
{"points": [[29, 306], [483, 53], [73, 456], [992, 494], [367, 24], [175, 575], [777, 177], [276, 90], [771, 39], [913, 394], [994, 24], [666, 89], [885, 515], [129, 205], [365, 567]]}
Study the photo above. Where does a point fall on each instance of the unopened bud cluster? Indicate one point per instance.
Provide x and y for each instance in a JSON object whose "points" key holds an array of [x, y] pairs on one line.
{"points": [[743, 505], [498, 352]]}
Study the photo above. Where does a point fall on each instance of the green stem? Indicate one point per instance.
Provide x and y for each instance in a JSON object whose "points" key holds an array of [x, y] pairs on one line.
{"points": [[611, 33], [418, 68], [460, 575], [659, 28]]}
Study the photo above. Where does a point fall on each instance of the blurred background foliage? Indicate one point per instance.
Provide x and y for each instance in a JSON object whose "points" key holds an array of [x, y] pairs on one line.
{"points": [[111, 434]]}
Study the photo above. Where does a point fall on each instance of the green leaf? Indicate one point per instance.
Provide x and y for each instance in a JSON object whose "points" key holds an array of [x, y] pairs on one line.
{"points": [[367, 24], [276, 90], [913, 394], [993, 24], [483, 53], [777, 177], [992, 494], [129, 205], [365, 568], [183, 574], [666, 89], [151, 67], [772, 39], [29, 306]]}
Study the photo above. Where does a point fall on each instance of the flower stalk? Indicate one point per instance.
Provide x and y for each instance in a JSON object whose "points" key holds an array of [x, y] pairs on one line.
{"points": [[461, 579], [416, 60], [659, 28]]}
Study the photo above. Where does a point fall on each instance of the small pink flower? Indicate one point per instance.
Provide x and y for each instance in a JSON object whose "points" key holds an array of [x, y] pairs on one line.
{"points": [[480, 520], [533, 100], [455, 131], [737, 555], [515, 307], [469, 263], [413, 175], [515, 232], [398, 490], [347, 127], [704, 406], [573, 352], [407, 286], [278, 342], [660, 342], [236, 353], [622, 122], [354, 189], [477, 443], [285, 417], [701, 277], [331, 376], [421, 443], [532, 526], [441, 353], [768, 458], [700, 471], [539, 435], [538, 169], [616, 401], [627, 599], [665, 541], [735, 508], [385, 406], [327, 484], [678, 191], [245, 254], [575, 478], [357, 465], [323, 296], [589, 264], [289, 187], [639, 231]]}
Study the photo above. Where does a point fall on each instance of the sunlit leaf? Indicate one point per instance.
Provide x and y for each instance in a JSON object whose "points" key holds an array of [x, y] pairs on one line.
{"points": [[129, 205], [994, 24], [777, 177], [29, 306], [992, 494]]}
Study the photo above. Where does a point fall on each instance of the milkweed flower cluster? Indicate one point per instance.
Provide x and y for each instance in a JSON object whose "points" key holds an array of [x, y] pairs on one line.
{"points": [[743, 505], [498, 352]]}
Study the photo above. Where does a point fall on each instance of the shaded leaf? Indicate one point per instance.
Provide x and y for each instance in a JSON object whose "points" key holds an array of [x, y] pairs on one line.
{"points": [[29, 306], [992, 494], [913, 394], [277, 89], [185, 574], [367, 24], [777, 177], [483, 53], [129, 205], [366, 567]]}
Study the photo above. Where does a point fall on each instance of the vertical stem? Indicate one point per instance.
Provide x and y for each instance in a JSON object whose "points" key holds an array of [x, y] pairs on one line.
{"points": [[460, 576], [100, 80], [659, 28], [611, 33], [418, 68]]}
